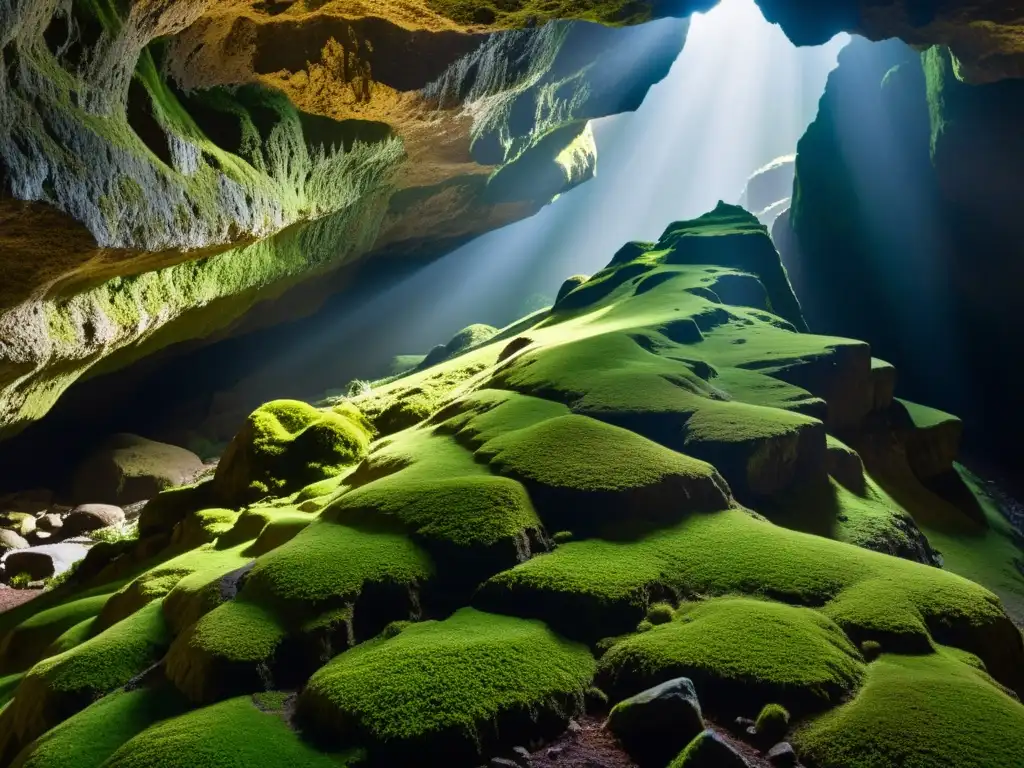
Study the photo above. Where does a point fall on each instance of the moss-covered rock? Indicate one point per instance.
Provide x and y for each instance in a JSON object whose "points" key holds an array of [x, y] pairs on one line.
{"points": [[285, 446], [741, 654], [461, 687]]}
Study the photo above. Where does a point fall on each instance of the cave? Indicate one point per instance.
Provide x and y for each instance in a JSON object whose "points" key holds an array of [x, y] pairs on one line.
{"points": [[537, 383]]}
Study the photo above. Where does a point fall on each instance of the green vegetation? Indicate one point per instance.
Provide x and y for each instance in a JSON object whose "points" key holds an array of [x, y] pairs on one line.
{"points": [[94, 734], [59, 686], [926, 711], [442, 684], [330, 564], [223, 651], [20, 581], [285, 446], [772, 723], [232, 734], [495, 12], [740, 654]]}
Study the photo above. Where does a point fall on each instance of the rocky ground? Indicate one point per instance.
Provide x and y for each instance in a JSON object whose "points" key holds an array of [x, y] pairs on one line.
{"points": [[657, 503]]}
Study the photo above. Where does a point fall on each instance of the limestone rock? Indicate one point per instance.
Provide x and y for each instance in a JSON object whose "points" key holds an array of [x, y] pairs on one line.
{"points": [[21, 523], [10, 540], [44, 561], [50, 522], [655, 724], [128, 468], [91, 517]]}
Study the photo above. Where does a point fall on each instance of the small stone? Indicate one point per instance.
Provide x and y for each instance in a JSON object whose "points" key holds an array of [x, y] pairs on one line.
{"points": [[574, 728], [39, 537], [92, 517], [742, 725], [503, 762], [656, 724], [49, 522], [782, 755], [522, 756], [752, 731], [9, 540], [555, 752]]}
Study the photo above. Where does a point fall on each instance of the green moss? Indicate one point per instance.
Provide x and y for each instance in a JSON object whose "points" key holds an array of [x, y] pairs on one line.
{"points": [[285, 446], [772, 723], [23, 645], [741, 654], [94, 734], [660, 613], [232, 734], [471, 511], [924, 711], [610, 475], [441, 685], [58, 687], [223, 653], [330, 563], [604, 586]]}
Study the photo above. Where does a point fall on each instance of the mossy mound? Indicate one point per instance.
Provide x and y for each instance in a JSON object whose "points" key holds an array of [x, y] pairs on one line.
{"points": [[94, 734], [233, 734], [741, 654], [585, 474], [60, 686], [927, 711], [473, 681], [222, 653], [594, 588], [285, 446]]}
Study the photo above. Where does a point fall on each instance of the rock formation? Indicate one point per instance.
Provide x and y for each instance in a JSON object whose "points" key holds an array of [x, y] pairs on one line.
{"points": [[658, 478], [224, 168], [903, 229]]}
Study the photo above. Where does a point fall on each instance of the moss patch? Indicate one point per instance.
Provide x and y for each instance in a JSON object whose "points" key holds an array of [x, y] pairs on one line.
{"points": [[232, 734], [740, 654], [443, 686], [94, 734], [924, 711], [285, 446]]}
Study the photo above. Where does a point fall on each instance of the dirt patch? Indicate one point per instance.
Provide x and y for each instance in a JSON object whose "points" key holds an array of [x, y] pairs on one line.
{"points": [[589, 745], [12, 598]]}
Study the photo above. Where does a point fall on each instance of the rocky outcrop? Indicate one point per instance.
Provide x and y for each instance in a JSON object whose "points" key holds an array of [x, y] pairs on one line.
{"points": [[128, 469], [226, 168], [903, 227]]}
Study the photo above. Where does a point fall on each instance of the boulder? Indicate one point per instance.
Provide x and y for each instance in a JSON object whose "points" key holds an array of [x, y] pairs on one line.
{"points": [[782, 755], [44, 561], [50, 522], [9, 540], [655, 724], [92, 517], [709, 750], [21, 523], [128, 468]]}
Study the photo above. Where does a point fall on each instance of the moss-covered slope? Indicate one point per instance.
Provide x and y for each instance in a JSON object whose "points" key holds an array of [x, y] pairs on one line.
{"points": [[659, 477]]}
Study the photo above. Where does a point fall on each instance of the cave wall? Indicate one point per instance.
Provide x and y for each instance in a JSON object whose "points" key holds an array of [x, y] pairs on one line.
{"points": [[904, 227], [200, 168]]}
